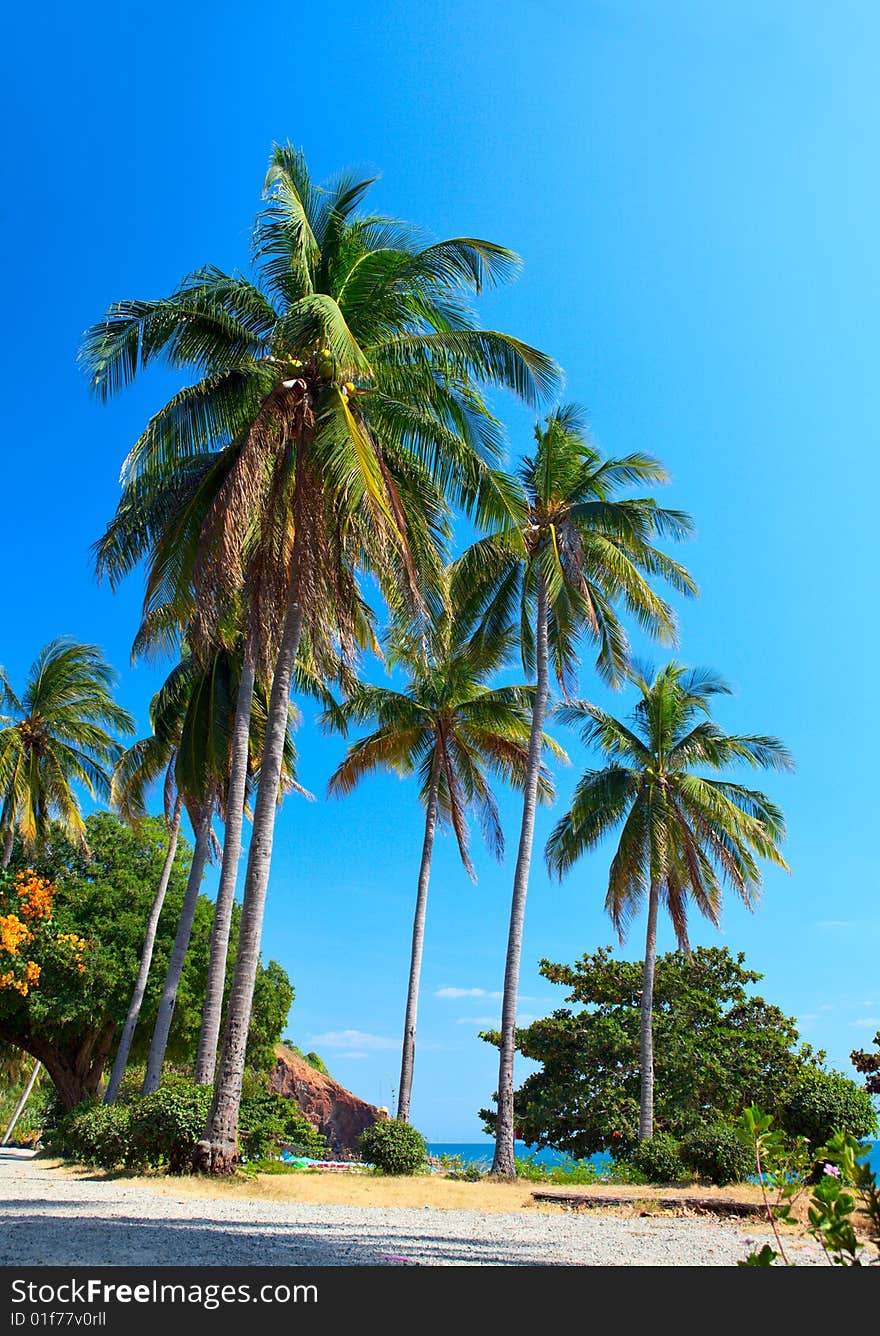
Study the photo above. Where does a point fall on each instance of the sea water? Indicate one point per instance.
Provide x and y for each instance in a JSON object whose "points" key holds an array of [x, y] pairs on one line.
{"points": [[481, 1152]]}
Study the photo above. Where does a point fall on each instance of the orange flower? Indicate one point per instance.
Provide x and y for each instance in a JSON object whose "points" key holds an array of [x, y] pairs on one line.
{"points": [[13, 933]]}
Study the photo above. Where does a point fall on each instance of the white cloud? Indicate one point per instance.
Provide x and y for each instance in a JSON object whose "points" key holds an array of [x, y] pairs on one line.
{"points": [[478, 1020], [866, 1023], [352, 1040], [826, 1006], [354, 1056], [456, 993]]}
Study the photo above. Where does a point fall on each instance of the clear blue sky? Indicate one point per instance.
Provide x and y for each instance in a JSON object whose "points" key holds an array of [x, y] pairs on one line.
{"points": [[694, 190]]}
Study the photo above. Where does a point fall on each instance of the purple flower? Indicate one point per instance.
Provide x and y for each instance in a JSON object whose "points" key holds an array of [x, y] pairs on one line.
{"points": [[832, 1170]]}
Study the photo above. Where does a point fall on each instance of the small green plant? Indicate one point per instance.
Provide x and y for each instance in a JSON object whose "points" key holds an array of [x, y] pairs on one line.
{"points": [[717, 1154], [393, 1147], [461, 1170], [783, 1172], [659, 1159]]}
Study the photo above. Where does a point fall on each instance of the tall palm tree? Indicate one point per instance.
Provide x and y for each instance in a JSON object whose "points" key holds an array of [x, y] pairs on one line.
{"points": [[58, 735], [344, 388], [683, 835], [190, 743], [454, 730], [583, 552]]}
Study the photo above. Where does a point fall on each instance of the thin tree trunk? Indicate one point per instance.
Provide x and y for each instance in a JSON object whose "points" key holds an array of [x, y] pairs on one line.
{"points": [[20, 1106], [646, 1046], [7, 848], [178, 953], [503, 1164], [140, 986], [210, 1032], [217, 1150], [418, 942]]}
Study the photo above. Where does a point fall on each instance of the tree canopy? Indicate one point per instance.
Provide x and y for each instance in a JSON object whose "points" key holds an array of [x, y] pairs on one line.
{"points": [[70, 1018], [718, 1047]]}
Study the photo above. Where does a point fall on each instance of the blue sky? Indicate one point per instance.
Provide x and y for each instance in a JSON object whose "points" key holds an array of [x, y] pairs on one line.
{"points": [[694, 191]]}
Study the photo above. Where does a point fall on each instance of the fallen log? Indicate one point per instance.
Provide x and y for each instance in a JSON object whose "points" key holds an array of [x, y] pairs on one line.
{"points": [[714, 1205]]}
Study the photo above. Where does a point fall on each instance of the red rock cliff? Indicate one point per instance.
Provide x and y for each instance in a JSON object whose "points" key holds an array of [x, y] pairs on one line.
{"points": [[338, 1114]]}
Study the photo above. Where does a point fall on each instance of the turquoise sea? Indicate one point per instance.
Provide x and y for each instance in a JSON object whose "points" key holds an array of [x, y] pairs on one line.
{"points": [[480, 1152]]}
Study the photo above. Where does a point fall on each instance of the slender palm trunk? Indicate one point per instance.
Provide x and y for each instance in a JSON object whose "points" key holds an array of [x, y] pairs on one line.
{"points": [[7, 848], [20, 1106], [217, 1150], [503, 1165], [210, 1033], [418, 942], [140, 986], [646, 1046], [178, 953]]}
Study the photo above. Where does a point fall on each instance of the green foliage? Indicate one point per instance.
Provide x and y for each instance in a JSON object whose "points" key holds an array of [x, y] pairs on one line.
{"points": [[273, 998], [717, 1154], [93, 1133], [393, 1147], [160, 1131], [461, 1170], [269, 1123], [718, 1047], [106, 899], [845, 1184], [165, 1126], [659, 1158], [822, 1103], [312, 1059]]}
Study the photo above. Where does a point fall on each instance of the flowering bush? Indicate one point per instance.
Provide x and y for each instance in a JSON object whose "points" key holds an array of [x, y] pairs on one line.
{"points": [[27, 927]]}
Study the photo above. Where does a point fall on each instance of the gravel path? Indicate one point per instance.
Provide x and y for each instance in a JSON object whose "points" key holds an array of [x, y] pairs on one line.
{"points": [[50, 1219]]}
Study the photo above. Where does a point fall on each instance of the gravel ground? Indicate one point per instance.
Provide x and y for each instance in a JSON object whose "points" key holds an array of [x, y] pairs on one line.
{"points": [[50, 1219]]}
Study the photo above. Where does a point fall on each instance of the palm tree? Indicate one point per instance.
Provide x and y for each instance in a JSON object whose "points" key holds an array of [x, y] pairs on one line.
{"points": [[59, 734], [453, 730], [683, 835], [190, 743], [344, 389], [582, 552]]}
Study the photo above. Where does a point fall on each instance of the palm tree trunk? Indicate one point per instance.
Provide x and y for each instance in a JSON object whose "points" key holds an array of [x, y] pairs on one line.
{"points": [[20, 1106], [217, 1150], [503, 1165], [210, 1033], [178, 953], [646, 1103], [7, 848], [418, 942], [140, 986]]}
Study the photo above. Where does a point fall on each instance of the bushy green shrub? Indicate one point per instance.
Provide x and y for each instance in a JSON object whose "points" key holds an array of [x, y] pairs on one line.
{"points": [[823, 1103], [94, 1133], [269, 1123], [166, 1125], [392, 1146], [659, 1159], [717, 1154]]}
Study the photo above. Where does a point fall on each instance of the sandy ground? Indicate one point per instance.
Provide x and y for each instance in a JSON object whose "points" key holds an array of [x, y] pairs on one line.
{"points": [[52, 1215]]}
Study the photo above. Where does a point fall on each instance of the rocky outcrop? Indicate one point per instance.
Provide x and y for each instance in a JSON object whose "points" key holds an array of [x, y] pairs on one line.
{"points": [[337, 1114]]}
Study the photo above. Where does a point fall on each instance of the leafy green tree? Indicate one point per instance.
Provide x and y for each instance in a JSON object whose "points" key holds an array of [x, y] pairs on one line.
{"points": [[59, 734], [718, 1046], [683, 835], [583, 552], [449, 726], [70, 1021], [343, 389]]}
